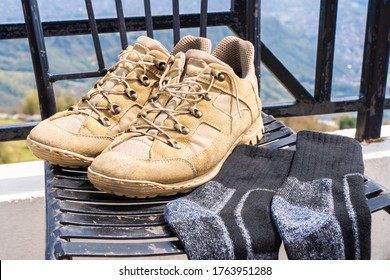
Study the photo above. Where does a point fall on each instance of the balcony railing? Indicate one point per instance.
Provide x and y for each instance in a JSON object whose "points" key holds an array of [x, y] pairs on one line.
{"points": [[243, 18]]}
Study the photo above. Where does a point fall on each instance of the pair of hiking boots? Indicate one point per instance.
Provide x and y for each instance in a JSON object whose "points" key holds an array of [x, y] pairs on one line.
{"points": [[159, 123]]}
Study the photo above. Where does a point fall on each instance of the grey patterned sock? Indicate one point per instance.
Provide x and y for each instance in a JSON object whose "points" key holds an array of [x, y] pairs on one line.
{"points": [[229, 217], [321, 210]]}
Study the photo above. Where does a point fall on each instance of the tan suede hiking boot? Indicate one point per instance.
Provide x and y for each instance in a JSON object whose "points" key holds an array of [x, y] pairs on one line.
{"points": [[75, 137], [189, 127]]}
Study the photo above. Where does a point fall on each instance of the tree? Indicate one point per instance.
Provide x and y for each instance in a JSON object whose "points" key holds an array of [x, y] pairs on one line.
{"points": [[64, 101], [31, 104], [347, 121], [306, 123]]}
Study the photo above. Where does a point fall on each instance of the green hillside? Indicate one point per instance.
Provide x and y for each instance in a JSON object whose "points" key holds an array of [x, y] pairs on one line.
{"points": [[288, 29]]}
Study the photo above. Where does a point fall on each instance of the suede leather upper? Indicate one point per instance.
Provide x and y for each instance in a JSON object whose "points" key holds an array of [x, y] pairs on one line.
{"points": [[90, 126], [230, 109]]}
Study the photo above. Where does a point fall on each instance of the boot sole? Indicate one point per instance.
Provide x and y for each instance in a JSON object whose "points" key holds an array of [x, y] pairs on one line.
{"points": [[148, 189], [58, 156]]}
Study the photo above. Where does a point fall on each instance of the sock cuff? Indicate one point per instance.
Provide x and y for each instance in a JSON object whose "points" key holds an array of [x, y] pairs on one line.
{"points": [[254, 151], [256, 164], [321, 155], [247, 156], [322, 137]]}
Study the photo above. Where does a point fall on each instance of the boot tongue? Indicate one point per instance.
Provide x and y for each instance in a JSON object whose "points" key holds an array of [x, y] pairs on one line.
{"points": [[175, 74], [144, 44], [191, 42], [197, 61], [177, 67]]}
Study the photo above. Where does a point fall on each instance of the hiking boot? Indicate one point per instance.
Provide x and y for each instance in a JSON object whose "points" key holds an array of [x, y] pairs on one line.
{"points": [[73, 138], [203, 108]]}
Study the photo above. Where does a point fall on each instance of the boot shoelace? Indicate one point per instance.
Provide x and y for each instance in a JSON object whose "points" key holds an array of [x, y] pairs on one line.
{"points": [[189, 92], [139, 66]]}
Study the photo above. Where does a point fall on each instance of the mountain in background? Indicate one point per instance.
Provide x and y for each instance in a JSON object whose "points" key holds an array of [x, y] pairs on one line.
{"points": [[289, 29]]}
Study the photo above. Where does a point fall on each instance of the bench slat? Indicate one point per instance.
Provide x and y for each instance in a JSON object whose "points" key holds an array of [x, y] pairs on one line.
{"points": [[111, 209], [380, 202], [112, 221], [102, 197], [92, 249], [92, 232]]}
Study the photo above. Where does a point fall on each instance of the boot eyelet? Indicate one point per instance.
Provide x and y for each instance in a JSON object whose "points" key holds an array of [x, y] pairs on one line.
{"points": [[153, 99], [160, 64], [144, 80], [131, 94], [207, 97], [86, 97], [185, 130], [111, 69], [221, 77], [142, 114], [114, 108], [173, 143], [197, 114], [182, 129], [217, 74], [165, 82], [104, 121]]}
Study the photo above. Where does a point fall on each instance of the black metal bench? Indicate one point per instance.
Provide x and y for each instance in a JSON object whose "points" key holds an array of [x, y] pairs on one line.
{"points": [[85, 222]]}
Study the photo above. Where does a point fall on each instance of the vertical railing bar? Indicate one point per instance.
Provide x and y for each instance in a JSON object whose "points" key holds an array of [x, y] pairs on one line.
{"points": [[247, 26], [121, 24], [240, 20], [95, 34], [253, 31], [325, 50], [176, 21], [374, 71], [203, 18], [148, 18], [46, 97]]}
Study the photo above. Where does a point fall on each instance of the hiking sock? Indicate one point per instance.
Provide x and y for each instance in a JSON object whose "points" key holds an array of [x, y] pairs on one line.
{"points": [[229, 217], [321, 210]]}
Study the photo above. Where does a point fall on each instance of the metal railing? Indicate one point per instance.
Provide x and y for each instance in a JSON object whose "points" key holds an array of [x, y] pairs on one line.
{"points": [[243, 18]]}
